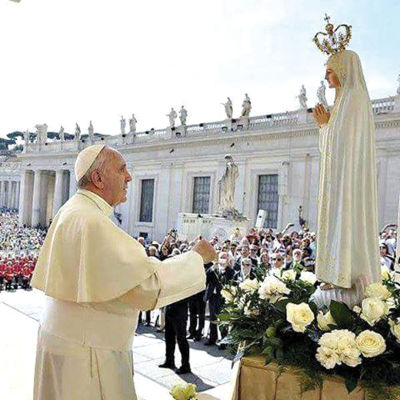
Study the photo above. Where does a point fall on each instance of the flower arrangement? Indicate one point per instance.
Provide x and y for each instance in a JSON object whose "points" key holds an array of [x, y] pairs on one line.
{"points": [[184, 392], [274, 316]]}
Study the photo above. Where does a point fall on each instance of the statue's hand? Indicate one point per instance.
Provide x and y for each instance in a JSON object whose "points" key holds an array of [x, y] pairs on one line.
{"points": [[321, 115]]}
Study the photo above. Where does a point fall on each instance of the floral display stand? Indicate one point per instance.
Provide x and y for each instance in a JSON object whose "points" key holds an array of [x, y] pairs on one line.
{"points": [[256, 381], [303, 352]]}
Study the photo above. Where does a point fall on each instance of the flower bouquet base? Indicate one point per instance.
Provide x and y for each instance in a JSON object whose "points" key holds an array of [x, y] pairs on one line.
{"points": [[257, 381]]}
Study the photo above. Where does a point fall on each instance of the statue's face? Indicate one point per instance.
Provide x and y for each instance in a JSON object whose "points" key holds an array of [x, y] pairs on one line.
{"points": [[332, 78]]}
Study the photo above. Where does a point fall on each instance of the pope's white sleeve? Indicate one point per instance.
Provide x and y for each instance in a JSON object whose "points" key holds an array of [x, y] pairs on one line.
{"points": [[174, 279]]}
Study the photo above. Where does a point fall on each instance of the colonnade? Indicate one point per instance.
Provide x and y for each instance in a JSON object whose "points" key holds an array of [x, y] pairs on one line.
{"points": [[43, 192], [9, 193]]}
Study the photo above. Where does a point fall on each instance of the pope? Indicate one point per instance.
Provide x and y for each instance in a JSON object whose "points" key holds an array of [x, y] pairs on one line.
{"points": [[96, 279]]}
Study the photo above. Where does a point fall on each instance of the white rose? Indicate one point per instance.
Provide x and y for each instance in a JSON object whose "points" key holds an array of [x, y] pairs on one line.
{"points": [[373, 310], [345, 340], [251, 312], [357, 309], [371, 344], [289, 275], [272, 289], [378, 290], [308, 276], [299, 315], [325, 320], [249, 285], [391, 303], [227, 294], [395, 328], [327, 357], [385, 273], [329, 340], [351, 356]]}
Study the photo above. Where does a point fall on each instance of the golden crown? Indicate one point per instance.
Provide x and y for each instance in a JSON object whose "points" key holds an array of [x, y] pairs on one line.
{"points": [[333, 40]]}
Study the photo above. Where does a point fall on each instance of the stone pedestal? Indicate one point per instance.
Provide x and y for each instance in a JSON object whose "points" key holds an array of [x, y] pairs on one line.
{"points": [[190, 226], [397, 104], [302, 116], [243, 123], [180, 131], [228, 124], [177, 131]]}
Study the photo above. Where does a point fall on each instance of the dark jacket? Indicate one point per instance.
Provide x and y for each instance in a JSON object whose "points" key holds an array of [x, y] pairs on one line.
{"points": [[215, 281]]}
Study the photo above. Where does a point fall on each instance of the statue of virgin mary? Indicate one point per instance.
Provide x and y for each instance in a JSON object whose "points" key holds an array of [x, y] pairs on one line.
{"points": [[347, 237]]}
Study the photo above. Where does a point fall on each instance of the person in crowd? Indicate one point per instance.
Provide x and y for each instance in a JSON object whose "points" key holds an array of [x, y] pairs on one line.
{"points": [[244, 253], [297, 262], [263, 261], [308, 260], [197, 309], [233, 250], [218, 274], [175, 331], [253, 254], [386, 259], [277, 264], [246, 271]]}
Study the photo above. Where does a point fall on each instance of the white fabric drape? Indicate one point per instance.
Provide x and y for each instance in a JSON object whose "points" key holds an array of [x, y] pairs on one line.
{"points": [[347, 235]]}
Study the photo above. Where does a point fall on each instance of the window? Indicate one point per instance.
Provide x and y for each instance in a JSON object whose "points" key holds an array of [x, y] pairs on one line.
{"points": [[146, 200], [268, 199], [201, 195]]}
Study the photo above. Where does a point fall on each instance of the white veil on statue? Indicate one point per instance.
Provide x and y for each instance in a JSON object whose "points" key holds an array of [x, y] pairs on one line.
{"points": [[347, 236]]}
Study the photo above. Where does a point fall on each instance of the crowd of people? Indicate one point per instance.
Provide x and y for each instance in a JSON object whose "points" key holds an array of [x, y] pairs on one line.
{"points": [[259, 251], [19, 248]]}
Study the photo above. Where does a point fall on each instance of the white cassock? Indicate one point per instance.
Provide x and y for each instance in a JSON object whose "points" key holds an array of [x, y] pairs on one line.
{"points": [[97, 278]]}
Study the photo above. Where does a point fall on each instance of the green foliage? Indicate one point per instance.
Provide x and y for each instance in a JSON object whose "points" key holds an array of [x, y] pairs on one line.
{"points": [[342, 315]]}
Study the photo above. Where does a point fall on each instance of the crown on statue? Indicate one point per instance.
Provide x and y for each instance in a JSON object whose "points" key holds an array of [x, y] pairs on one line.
{"points": [[333, 40]]}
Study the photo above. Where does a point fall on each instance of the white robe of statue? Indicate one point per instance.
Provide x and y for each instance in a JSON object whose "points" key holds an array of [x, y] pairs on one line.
{"points": [[347, 233], [97, 278]]}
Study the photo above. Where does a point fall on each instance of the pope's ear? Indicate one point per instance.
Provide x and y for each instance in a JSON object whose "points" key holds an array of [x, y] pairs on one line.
{"points": [[97, 179]]}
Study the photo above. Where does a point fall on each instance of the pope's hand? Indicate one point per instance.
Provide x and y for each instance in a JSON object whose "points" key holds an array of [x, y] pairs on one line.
{"points": [[205, 249]]}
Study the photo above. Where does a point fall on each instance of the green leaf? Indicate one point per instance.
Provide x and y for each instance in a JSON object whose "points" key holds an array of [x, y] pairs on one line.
{"points": [[281, 305], [224, 317], [341, 314], [350, 383], [313, 307], [273, 341], [269, 354]]}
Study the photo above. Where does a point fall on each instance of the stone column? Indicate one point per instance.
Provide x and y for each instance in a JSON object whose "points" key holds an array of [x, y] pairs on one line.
{"points": [[36, 198], [58, 191], [283, 179], [17, 194], [12, 194], [2, 187], [72, 183], [9, 194], [25, 198]]}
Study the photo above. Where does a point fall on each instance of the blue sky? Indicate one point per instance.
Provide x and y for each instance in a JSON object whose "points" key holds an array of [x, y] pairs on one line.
{"points": [[67, 61]]}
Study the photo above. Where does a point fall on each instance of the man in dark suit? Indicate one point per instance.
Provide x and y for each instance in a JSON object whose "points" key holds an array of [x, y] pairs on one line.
{"points": [[197, 309], [175, 331], [218, 274]]}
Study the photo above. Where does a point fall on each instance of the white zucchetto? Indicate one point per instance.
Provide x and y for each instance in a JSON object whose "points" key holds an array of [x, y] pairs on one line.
{"points": [[86, 159]]}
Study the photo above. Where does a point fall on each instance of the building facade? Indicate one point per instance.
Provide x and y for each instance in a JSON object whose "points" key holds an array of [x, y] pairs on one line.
{"points": [[177, 170]]}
